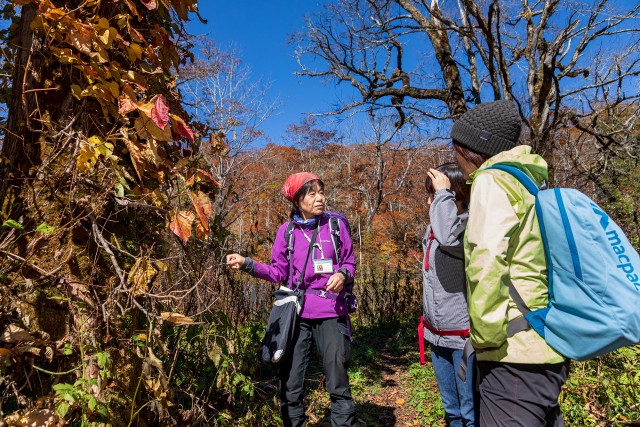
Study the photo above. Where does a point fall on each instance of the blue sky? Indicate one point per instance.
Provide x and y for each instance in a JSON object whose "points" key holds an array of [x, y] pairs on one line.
{"points": [[259, 29]]}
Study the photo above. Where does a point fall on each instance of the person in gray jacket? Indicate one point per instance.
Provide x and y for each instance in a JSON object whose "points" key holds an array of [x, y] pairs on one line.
{"points": [[445, 322]]}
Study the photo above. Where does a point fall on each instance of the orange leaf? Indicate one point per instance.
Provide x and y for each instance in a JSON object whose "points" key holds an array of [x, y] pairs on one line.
{"points": [[160, 112], [126, 104], [203, 208], [181, 224], [81, 40], [201, 175], [201, 231]]}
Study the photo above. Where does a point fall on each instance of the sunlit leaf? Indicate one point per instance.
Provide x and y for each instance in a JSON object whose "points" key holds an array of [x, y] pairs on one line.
{"points": [[62, 409], [177, 318], [139, 164], [76, 91], [87, 157], [119, 189], [14, 333], [181, 128], [203, 208], [162, 266], [160, 112], [140, 275], [45, 228], [199, 175], [151, 152], [12, 224], [202, 228], [145, 127], [150, 4], [135, 52], [181, 223], [126, 104], [80, 39], [100, 55]]}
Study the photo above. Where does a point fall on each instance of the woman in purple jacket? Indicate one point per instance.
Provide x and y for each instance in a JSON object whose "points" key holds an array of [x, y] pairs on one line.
{"points": [[324, 316]]}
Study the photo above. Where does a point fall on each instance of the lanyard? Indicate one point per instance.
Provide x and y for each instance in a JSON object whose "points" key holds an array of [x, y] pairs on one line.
{"points": [[315, 245], [304, 267]]}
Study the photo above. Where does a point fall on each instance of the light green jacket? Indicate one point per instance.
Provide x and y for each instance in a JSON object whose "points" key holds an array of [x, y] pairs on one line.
{"points": [[502, 244]]}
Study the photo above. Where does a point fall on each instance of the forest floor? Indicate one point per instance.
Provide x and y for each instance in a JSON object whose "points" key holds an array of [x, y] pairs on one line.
{"points": [[389, 385]]}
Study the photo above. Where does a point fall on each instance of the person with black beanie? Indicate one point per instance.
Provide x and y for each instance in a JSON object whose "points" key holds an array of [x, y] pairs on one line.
{"points": [[519, 375]]}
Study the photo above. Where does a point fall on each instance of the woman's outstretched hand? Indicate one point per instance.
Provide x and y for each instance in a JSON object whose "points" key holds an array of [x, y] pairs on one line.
{"points": [[439, 180], [335, 282], [235, 261]]}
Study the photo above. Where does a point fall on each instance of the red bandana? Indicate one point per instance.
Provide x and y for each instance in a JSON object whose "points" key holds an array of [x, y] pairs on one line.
{"points": [[295, 182]]}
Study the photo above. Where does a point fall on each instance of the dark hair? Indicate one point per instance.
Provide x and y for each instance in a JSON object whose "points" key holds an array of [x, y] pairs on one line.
{"points": [[469, 155], [458, 183], [309, 186]]}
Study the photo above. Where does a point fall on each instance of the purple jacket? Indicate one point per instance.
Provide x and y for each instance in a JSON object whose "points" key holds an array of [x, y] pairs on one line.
{"points": [[315, 306]]}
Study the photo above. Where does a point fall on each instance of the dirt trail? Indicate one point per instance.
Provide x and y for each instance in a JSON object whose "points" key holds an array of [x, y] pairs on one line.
{"points": [[393, 396]]}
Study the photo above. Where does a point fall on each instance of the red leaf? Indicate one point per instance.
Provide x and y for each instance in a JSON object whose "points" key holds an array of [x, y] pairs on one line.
{"points": [[160, 112], [151, 4], [181, 128]]}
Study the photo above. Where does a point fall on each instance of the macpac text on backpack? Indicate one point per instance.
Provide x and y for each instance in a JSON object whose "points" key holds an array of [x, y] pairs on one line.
{"points": [[625, 262]]}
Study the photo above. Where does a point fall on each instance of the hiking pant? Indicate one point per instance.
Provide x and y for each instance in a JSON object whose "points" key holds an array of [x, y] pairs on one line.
{"points": [[334, 346], [526, 395], [457, 396]]}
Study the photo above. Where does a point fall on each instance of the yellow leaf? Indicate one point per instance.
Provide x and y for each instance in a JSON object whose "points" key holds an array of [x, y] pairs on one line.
{"points": [[103, 36], [76, 91], [100, 55], [103, 24], [139, 164], [140, 275], [399, 401], [87, 157], [135, 52], [151, 152], [177, 318], [152, 129], [113, 88], [162, 266]]}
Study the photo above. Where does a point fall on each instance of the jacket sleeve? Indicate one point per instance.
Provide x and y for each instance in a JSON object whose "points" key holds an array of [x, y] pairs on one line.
{"points": [[278, 271], [448, 227], [346, 250], [492, 220]]}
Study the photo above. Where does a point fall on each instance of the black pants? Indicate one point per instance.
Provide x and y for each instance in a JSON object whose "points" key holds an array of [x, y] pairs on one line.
{"points": [[334, 346], [526, 395]]}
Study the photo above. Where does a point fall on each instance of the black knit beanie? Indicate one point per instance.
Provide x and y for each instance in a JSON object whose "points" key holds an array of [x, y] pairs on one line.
{"points": [[488, 128]]}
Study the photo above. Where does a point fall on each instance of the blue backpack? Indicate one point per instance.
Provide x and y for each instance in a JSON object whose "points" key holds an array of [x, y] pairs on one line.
{"points": [[594, 276]]}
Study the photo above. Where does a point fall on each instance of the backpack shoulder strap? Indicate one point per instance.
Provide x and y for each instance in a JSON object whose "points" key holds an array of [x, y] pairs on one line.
{"points": [[334, 227], [288, 238], [524, 179]]}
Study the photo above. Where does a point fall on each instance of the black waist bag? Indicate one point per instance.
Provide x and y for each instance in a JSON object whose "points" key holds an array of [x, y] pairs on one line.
{"points": [[282, 324]]}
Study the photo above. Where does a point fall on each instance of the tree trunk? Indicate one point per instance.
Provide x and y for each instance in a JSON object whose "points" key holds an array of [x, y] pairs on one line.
{"points": [[20, 152]]}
